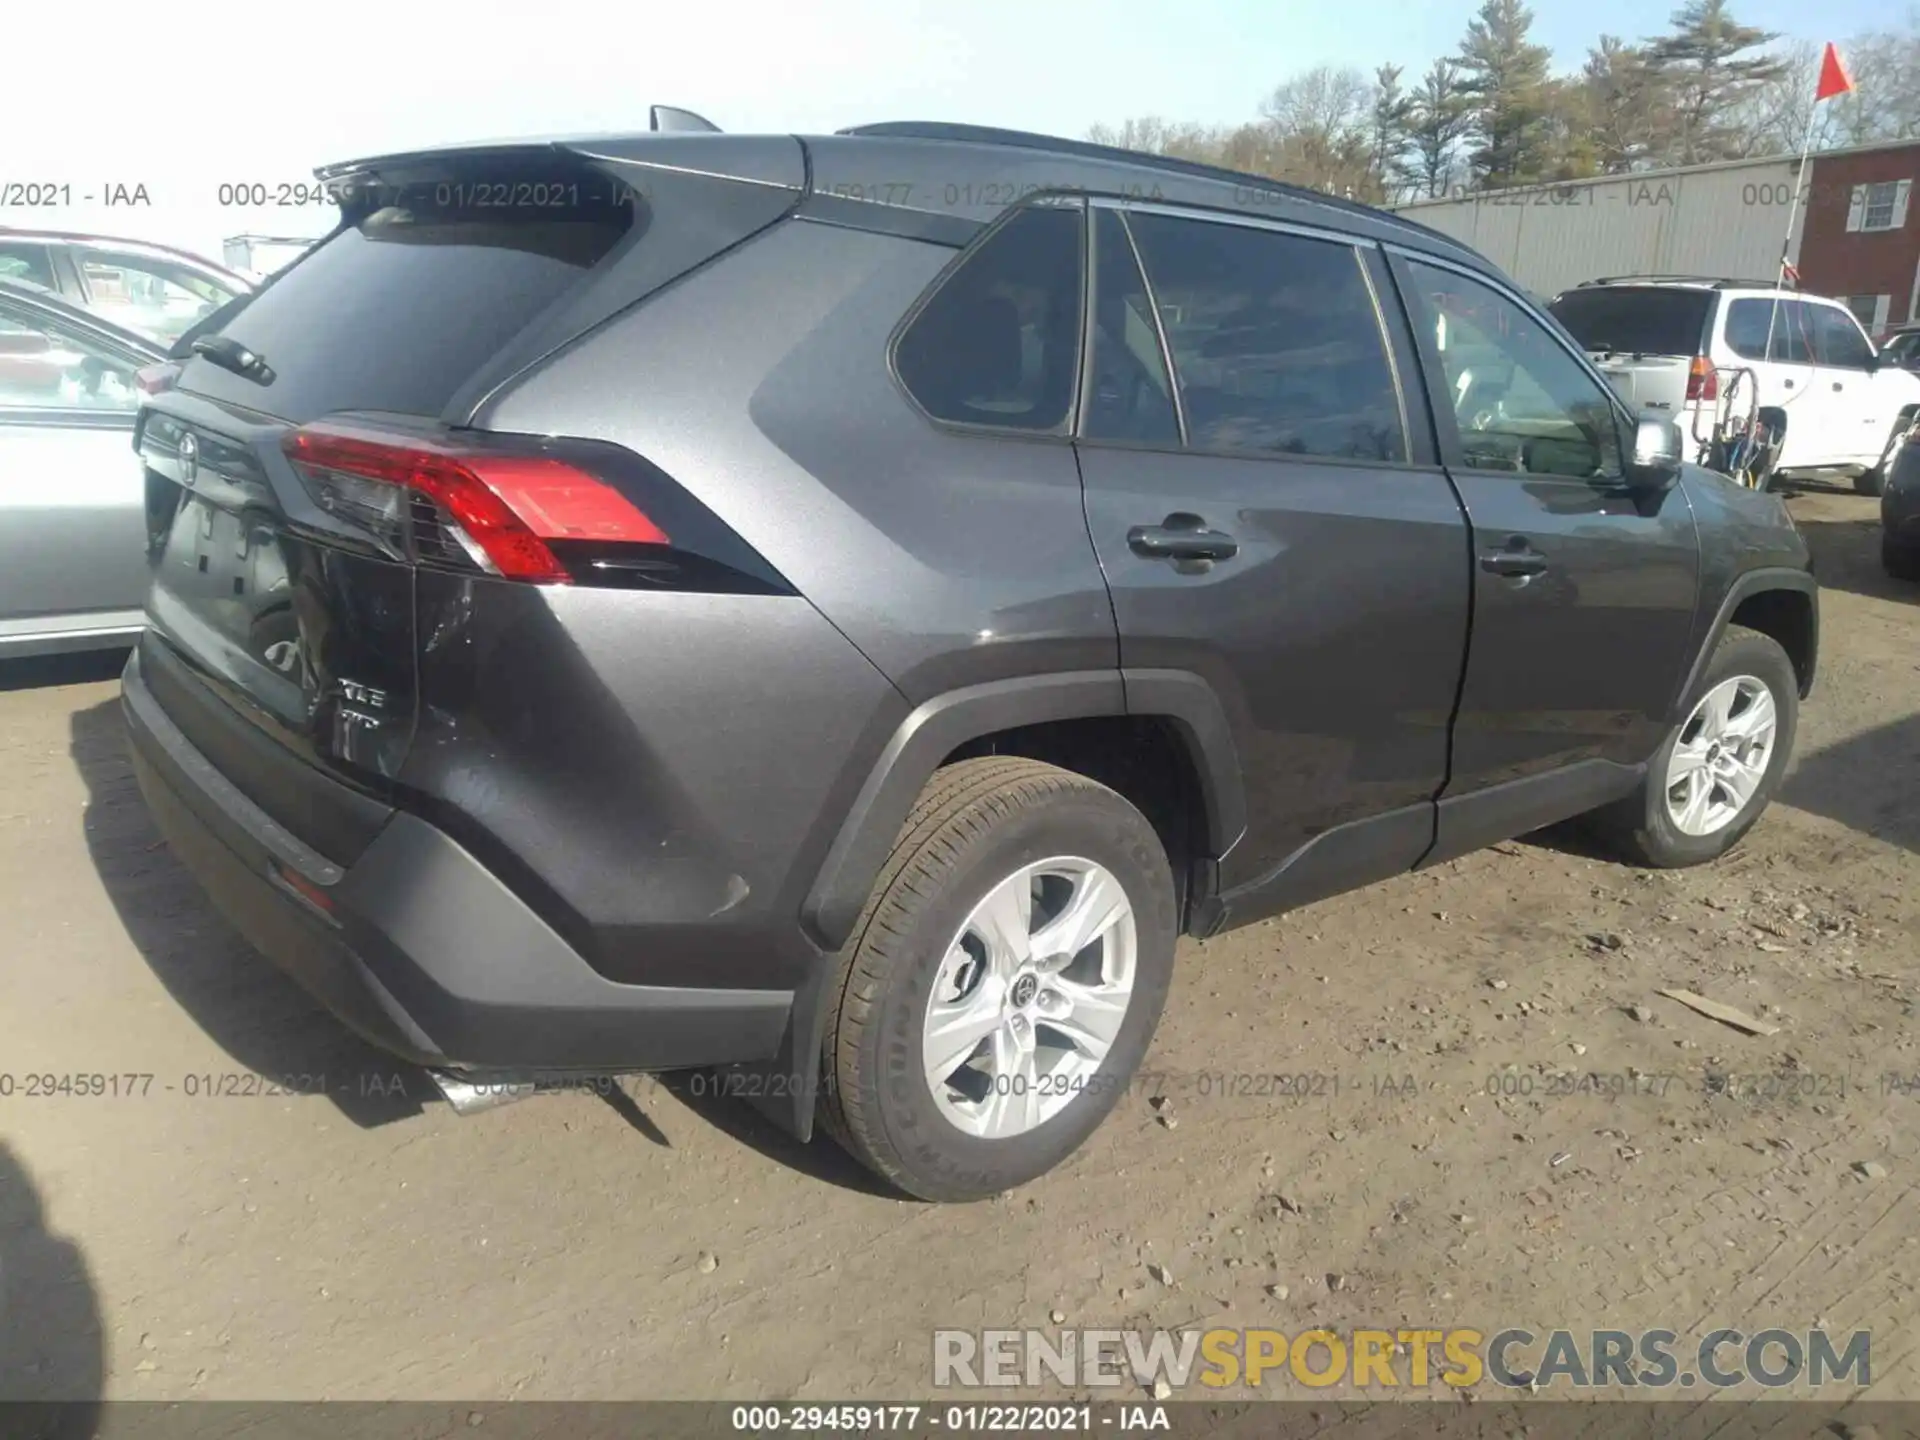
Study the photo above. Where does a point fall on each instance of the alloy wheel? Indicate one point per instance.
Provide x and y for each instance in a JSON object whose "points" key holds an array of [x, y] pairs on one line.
{"points": [[1721, 757], [1029, 997]]}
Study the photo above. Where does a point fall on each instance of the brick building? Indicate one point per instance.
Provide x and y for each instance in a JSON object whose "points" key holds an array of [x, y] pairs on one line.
{"points": [[1859, 241]]}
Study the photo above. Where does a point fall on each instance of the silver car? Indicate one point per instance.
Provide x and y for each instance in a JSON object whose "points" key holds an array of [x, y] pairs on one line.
{"points": [[153, 290], [73, 535]]}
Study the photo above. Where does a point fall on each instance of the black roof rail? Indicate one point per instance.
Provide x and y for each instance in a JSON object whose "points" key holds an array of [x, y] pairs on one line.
{"points": [[1089, 150], [1717, 282]]}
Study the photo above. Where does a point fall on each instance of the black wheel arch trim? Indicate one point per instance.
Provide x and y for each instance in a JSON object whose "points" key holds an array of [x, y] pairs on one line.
{"points": [[941, 725], [1744, 587], [786, 1088], [1194, 707]]}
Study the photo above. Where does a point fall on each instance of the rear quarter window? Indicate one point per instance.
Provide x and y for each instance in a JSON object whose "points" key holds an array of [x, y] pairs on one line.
{"points": [[998, 343]]}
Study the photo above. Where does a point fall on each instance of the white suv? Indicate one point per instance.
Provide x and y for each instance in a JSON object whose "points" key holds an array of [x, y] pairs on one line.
{"points": [[1706, 351]]}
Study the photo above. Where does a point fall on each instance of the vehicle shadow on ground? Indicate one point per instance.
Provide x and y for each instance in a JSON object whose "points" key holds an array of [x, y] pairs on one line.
{"points": [[706, 1094], [52, 1351], [259, 1017], [42, 670], [1846, 556], [1870, 783]]}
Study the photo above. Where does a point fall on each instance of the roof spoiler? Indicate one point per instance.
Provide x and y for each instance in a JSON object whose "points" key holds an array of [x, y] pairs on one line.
{"points": [[672, 117]]}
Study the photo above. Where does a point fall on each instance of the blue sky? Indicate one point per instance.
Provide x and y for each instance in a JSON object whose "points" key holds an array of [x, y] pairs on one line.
{"points": [[260, 94]]}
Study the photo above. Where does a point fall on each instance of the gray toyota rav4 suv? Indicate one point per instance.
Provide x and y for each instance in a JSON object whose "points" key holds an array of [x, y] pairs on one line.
{"points": [[838, 609]]}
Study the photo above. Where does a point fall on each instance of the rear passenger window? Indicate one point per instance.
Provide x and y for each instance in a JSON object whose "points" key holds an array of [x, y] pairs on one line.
{"points": [[1276, 342], [998, 344], [1751, 322]]}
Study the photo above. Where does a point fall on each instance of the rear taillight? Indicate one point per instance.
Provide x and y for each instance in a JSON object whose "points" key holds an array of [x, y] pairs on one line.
{"points": [[1703, 382], [153, 379], [502, 510]]}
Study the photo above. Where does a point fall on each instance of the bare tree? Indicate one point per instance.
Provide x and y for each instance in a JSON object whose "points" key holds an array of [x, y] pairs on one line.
{"points": [[1183, 139], [1320, 121], [1883, 105]]}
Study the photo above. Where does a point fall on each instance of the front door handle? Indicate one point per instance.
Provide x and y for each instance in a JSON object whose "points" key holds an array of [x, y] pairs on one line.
{"points": [[1516, 562], [1181, 537], [1838, 386]]}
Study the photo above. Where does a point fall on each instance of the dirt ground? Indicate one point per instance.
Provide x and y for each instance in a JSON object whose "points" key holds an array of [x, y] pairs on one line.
{"points": [[1446, 1165]]}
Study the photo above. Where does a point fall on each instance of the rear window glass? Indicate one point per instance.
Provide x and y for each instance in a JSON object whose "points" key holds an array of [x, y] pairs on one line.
{"points": [[1635, 321], [397, 311]]}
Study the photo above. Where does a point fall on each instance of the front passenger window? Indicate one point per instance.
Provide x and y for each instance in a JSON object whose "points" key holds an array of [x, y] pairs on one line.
{"points": [[1519, 399], [1838, 336]]}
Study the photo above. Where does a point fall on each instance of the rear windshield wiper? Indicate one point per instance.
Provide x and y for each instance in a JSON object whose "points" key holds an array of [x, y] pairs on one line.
{"points": [[230, 354]]}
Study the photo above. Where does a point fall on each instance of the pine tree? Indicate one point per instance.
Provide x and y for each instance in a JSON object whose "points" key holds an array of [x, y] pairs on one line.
{"points": [[1627, 106], [1505, 76], [1437, 121], [1704, 66], [1392, 116], [1570, 143]]}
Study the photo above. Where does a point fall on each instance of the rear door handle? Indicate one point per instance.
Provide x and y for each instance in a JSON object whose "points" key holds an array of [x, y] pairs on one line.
{"points": [[1838, 386], [1517, 561], [1181, 537]]}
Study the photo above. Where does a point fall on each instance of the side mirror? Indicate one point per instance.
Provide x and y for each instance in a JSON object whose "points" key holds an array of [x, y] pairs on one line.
{"points": [[1657, 454]]}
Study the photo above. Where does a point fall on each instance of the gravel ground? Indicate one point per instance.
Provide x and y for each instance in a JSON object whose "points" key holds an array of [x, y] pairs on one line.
{"points": [[1503, 1123]]}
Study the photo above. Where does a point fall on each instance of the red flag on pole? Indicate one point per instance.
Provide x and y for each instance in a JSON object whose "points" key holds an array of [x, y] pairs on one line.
{"points": [[1834, 79]]}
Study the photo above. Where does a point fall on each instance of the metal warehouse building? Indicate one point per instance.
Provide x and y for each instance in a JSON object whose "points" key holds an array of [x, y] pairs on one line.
{"points": [[1852, 237]]}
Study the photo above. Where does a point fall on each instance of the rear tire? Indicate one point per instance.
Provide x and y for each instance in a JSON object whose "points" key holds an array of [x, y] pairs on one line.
{"points": [[1875, 480], [916, 961], [1901, 562], [1686, 813]]}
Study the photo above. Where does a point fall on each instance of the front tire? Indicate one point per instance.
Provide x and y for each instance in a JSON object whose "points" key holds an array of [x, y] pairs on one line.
{"points": [[1875, 480], [1003, 984], [1716, 772]]}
